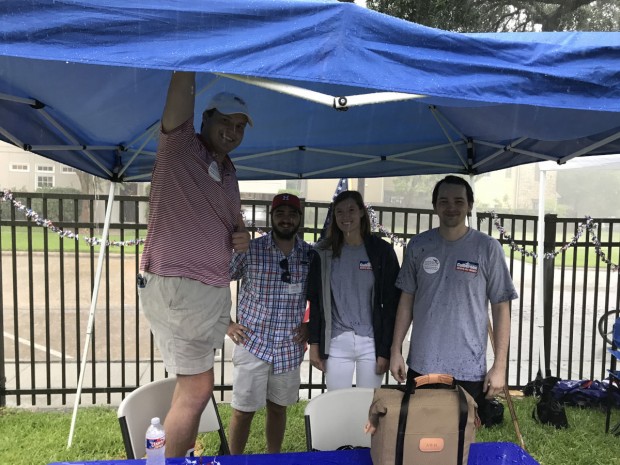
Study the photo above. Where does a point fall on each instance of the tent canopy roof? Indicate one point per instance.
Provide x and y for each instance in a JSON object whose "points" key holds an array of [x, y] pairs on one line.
{"points": [[83, 82]]}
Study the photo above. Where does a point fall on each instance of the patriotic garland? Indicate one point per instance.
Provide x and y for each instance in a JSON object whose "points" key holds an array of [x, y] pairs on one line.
{"points": [[7, 196], [375, 225], [581, 228], [589, 225]]}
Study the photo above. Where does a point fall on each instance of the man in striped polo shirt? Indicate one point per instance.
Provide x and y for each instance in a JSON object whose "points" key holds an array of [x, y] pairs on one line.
{"points": [[194, 225], [269, 334]]}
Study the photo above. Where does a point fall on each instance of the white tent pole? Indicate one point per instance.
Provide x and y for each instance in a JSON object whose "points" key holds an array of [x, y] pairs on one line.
{"points": [[93, 307], [474, 212], [538, 311], [337, 102]]}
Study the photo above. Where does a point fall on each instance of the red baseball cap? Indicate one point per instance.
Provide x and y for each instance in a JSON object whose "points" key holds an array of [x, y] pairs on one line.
{"points": [[286, 200]]}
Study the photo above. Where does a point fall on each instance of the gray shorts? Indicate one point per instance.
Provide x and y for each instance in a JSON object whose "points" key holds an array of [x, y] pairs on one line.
{"points": [[254, 383], [188, 320]]}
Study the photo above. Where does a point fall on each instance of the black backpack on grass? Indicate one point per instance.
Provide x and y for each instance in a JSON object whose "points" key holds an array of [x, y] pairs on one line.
{"points": [[548, 410]]}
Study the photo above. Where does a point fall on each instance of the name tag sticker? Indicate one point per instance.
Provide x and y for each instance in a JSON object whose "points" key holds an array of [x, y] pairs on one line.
{"points": [[294, 288], [365, 265], [214, 171], [467, 266]]}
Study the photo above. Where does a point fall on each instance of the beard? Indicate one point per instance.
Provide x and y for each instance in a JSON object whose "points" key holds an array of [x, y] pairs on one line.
{"points": [[285, 235]]}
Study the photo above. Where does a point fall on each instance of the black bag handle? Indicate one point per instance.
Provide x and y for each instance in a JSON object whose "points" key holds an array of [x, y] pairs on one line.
{"points": [[402, 419], [410, 388]]}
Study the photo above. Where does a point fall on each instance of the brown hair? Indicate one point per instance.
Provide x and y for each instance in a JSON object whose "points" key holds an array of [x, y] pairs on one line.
{"points": [[454, 180], [335, 237]]}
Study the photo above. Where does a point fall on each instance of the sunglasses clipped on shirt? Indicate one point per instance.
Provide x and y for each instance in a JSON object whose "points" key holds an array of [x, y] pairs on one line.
{"points": [[286, 274]]}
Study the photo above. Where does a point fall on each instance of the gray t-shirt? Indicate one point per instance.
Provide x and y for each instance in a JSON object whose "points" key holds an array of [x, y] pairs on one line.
{"points": [[352, 283], [453, 283]]}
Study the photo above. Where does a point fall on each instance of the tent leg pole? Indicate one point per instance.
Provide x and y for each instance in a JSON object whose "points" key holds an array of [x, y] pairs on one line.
{"points": [[93, 307], [539, 342], [474, 211]]}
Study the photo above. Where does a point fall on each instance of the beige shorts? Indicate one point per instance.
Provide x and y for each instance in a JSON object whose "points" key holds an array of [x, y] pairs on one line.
{"points": [[254, 383], [188, 320]]}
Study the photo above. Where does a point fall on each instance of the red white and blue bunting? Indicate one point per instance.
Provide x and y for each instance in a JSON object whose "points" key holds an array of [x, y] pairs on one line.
{"points": [[589, 225], [7, 196]]}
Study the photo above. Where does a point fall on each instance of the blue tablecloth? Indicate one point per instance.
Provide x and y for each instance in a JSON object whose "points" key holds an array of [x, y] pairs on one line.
{"points": [[482, 453]]}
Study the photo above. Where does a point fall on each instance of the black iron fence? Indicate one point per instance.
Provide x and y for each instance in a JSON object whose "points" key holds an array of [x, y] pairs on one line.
{"points": [[47, 283]]}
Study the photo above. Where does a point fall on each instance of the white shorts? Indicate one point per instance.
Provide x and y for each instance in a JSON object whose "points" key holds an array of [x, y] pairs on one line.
{"points": [[254, 383], [188, 320]]}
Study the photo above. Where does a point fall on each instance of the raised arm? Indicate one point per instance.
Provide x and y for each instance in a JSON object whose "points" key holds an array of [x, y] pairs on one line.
{"points": [[180, 100]]}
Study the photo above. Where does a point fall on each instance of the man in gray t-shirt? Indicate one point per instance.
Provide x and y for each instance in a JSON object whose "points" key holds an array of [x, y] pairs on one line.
{"points": [[449, 276]]}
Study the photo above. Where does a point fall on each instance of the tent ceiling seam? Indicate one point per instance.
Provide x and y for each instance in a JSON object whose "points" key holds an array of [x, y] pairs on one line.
{"points": [[64, 132], [502, 150], [262, 170], [396, 156], [590, 147], [351, 165], [14, 140], [440, 118], [148, 136]]}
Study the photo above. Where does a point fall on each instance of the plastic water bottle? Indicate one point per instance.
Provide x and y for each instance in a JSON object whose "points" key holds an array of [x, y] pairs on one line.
{"points": [[155, 443]]}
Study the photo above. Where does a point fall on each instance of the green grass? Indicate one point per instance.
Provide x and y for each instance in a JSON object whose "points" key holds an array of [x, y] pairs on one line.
{"points": [[40, 437], [54, 240]]}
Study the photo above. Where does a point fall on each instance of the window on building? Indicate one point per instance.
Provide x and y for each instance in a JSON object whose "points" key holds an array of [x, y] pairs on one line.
{"points": [[23, 167], [45, 181], [68, 170], [45, 168]]}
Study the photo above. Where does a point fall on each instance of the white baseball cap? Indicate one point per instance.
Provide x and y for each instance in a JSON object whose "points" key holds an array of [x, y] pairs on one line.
{"points": [[229, 104]]}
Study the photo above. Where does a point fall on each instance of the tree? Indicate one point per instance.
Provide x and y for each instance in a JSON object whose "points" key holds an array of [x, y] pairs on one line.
{"points": [[504, 16], [576, 188], [416, 190]]}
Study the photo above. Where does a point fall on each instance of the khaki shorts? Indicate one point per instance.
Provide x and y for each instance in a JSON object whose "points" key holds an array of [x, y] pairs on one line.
{"points": [[254, 383], [188, 320]]}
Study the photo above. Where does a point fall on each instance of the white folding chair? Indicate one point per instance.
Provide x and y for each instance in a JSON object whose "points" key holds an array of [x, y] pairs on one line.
{"points": [[337, 418], [153, 400]]}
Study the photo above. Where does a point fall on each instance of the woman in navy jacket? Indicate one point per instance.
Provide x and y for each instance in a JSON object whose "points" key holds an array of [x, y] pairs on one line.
{"points": [[352, 298]]}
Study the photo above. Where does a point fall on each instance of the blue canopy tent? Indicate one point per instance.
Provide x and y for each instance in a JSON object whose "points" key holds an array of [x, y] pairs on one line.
{"points": [[335, 90], [83, 82]]}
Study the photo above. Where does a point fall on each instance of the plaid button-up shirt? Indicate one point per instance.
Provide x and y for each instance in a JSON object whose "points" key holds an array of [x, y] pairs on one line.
{"points": [[268, 306]]}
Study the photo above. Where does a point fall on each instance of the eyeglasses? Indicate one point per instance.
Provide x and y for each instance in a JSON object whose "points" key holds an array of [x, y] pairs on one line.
{"points": [[286, 274]]}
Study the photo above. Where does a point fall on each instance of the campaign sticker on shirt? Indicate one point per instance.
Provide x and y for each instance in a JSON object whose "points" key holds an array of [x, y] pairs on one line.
{"points": [[431, 265], [467, 266], [365, 265]]}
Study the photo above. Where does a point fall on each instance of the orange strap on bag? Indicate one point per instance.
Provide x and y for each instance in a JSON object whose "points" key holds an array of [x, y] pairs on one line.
{"points": [[434, 378]]}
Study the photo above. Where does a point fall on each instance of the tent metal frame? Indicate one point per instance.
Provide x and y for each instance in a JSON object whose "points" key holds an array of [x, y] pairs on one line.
{"points": [[339, 103]]}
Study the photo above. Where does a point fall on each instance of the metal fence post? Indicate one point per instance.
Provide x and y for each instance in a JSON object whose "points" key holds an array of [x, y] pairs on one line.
{"points": [[2, 358], [548, 281]]}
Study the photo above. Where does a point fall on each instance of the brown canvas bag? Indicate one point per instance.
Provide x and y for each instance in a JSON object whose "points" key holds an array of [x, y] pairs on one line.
{"points": [[430, 425]]}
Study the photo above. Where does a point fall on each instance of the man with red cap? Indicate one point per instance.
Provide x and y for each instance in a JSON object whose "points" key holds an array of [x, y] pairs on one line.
{"points": [[269, 334], [194, 225]]}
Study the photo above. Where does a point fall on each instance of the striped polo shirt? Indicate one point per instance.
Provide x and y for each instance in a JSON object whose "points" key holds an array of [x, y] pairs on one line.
{"points": [[192, 213]]}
